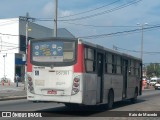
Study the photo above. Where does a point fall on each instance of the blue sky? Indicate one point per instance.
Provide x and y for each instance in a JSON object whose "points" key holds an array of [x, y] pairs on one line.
{"points": [[145, 11]]}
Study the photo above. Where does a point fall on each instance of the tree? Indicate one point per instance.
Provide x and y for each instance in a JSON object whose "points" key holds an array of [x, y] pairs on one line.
{"points": [[153, 70]]}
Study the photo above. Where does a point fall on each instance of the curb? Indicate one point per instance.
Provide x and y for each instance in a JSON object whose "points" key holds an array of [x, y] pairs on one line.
{"points": [[13, 98]]}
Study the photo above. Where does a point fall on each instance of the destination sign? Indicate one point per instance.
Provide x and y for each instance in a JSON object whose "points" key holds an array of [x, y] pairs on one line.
{"points": [[47, 51]]}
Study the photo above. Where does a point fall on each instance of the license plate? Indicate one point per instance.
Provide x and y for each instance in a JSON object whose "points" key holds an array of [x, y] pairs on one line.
{"points": [[52, 92]]}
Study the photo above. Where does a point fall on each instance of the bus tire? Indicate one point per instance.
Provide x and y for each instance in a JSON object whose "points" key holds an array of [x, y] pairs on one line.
{"points": [[134, 99], [110, 99]]}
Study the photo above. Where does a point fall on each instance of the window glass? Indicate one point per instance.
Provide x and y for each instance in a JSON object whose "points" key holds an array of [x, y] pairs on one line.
{"points": [[118, 69], [113, 68], [90, 54], [118, 60], [132, 71], [53, 51], [85, 53], [132, 63], [113, 59], [109, 58], [137, 65], [68, 55], [89, 65], [109, 68], [68, 46], [90, 60], [136, 71]]}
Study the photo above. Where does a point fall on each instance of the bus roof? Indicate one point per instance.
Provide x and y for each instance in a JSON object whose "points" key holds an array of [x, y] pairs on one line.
{"points": [[108, 50]]}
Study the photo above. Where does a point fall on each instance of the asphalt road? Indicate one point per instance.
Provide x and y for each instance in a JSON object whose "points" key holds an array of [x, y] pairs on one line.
{"points": [[149, 101]]}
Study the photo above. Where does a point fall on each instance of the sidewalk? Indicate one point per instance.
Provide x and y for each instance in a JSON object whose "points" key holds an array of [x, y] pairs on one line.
{"points": [[10, 92]]}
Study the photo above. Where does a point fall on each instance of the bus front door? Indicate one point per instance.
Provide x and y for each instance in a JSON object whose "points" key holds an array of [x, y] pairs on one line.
{"points": [[100, 57]]}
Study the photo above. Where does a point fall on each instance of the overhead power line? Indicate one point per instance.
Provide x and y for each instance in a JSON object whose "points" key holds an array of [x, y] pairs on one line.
{"points": [[107, 34], [8, 43], [89, 25], [7, 23], [13, 47], [10, 49], [1, 45], [8, 34], [118, 33], [145, 52], [104, 12], [91, 9], [96, 14]]}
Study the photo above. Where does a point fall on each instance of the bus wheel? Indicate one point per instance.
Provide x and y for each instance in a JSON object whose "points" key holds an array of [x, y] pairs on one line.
{"points": [[110, 99], [134, 99], [71, 105]]}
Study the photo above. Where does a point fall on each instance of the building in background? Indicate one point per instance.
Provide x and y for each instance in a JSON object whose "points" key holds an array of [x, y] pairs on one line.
{"points": [[13, 44]]}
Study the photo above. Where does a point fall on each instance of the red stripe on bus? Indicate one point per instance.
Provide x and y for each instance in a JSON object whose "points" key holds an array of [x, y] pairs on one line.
{"points": [[79, 66], [29, 65]]}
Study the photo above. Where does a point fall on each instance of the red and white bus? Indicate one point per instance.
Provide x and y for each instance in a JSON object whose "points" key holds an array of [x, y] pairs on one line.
{"points": [[75, 72]]}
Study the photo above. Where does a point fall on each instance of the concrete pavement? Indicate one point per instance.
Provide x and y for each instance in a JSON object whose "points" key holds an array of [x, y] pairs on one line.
{"points": [[10, 91]]}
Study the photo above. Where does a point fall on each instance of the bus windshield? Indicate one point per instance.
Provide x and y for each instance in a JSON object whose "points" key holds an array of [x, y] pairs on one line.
{"points": [[52, 52]]}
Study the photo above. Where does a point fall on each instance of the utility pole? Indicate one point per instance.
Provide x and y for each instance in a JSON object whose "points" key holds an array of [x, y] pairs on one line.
{"points": [[25, 74], [55, 17], [142, 45], [26, 18], [142, 27]]}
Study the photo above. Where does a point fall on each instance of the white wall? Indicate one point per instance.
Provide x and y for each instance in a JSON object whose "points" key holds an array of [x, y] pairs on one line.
{"points": [[9, 35], [9, 45]]}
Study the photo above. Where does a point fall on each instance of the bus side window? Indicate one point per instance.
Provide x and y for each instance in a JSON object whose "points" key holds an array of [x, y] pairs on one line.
{"points": [[106, 59], [137, 69], [109, 63], [90, 61], [113, 63], [119, 66], [94, 62], [131, 67]]}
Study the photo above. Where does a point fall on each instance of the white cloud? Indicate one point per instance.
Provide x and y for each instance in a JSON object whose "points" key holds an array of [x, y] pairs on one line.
{"points": [[65, 13], [48, 10]]}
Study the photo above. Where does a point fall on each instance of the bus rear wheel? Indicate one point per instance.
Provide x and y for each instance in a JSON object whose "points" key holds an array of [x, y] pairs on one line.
{"points": [[110, 99]]}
